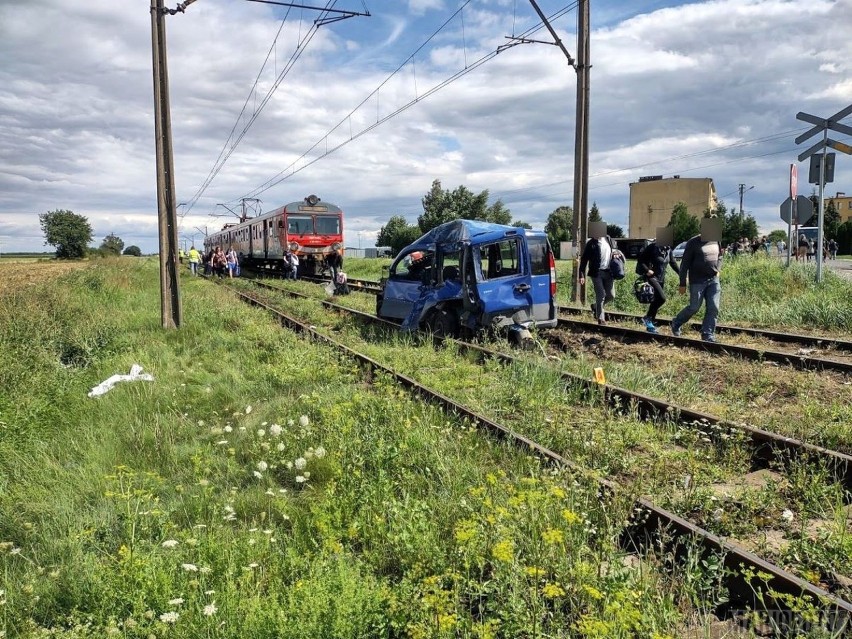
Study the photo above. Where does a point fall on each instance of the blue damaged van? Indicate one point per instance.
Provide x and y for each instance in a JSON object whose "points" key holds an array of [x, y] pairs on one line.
{"points": [[468, 275]]}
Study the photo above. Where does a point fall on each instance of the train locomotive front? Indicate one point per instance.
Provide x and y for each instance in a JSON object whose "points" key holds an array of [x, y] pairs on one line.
{"points": [[310, 229]]}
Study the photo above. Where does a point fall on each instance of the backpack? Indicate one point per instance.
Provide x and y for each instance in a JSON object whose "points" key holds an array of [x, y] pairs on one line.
{"points": [[643, 291], [341, 277]]}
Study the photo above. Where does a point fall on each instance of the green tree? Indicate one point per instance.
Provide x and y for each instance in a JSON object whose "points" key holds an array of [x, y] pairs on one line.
{"points": [[776, 235], [397, 234], [498, 213], [683, 224], [133, 250], [595, 214], [521, 224], [614, 230], [560, 226], [844, 238], [441, 205], [831, 216], [68, 232], [112, 245]]}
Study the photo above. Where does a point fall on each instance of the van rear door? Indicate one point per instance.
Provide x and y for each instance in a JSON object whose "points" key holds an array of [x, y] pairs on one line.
{"points": [[543, 280]]}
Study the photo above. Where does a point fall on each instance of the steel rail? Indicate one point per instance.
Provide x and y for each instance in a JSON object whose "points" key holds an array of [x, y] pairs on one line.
{"points": [[767, 447], [816, 341], [649, 524], [802, 362]]}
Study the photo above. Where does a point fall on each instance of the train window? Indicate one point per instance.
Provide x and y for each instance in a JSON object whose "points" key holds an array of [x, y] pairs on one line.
{"points": [[300, 224], [328, 225], [280, 224]]}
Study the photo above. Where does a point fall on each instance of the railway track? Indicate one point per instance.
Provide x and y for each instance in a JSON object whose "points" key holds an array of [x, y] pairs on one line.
{"points": [[795, 359], [651, 524]]}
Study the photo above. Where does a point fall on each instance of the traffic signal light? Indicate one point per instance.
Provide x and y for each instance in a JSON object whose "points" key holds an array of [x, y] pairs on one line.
{"points": [[816, 160]]}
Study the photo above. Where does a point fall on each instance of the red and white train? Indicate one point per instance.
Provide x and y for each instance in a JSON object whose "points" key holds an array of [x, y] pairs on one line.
{"points": [[310, 228]]}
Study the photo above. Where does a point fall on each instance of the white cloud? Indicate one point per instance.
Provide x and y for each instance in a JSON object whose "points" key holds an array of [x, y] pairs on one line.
{"points": [[76, 111]]}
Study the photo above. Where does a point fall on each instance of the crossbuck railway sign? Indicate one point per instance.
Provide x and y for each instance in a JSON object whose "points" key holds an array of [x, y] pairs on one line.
{"points": [[823, 125]]}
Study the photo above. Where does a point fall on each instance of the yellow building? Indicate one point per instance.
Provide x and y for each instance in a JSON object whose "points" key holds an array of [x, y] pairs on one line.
{"points": [[653, 197], [843, 204]]}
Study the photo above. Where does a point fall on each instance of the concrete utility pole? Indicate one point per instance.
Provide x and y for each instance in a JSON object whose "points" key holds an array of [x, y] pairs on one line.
{"points": [[581, 148], [743, 189], [581, 136], [167, 212]]}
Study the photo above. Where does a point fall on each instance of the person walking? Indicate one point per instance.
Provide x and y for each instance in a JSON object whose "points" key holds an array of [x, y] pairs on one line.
{"points": [[231, 261], [832, 249], [294, 262], [701, 263], [194, 260], [334, 261], [597, 255], [651, 265]]}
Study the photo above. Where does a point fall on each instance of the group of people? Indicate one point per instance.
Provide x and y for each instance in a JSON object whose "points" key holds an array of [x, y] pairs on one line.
{"points": [[700, 266], [806, 249], [215, 262]]}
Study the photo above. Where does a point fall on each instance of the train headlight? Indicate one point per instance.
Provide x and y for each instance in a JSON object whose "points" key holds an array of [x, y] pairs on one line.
{"points": [[294, 246]]}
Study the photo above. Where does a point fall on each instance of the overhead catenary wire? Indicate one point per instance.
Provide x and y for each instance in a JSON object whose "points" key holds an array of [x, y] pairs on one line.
{"points": [[291, 169], [226, 152]]}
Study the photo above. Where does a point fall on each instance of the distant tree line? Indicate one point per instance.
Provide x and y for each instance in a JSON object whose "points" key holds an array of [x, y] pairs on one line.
{"points": [[70, 234]]}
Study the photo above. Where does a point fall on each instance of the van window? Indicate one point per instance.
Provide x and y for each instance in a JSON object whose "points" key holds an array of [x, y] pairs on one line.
{"points": [[413, 266], [539, 255], [499, 259]]}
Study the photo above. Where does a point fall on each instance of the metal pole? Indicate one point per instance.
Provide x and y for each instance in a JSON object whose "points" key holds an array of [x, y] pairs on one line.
{"points": [[581, 151], [821, 205], [169, 285]]}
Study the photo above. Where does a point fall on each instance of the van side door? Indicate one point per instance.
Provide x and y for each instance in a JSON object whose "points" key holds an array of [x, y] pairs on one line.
{"points": [[504, 285], [544, 306]]}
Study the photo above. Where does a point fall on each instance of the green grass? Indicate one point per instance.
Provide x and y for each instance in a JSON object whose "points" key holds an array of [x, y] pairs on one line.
{"points": [[261, 486]]}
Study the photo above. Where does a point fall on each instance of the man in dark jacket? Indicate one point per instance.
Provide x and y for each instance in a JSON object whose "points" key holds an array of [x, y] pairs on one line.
{"points": [[597, 255], [701, 263], [651, 265]]}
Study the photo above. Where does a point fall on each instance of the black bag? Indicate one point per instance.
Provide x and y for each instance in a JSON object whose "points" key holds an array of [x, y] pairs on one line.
{"points": [[643, 291], [616, 267]]}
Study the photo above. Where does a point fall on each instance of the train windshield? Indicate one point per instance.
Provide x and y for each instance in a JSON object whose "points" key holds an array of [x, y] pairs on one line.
{"points": [[328, 225], [300, 225]]}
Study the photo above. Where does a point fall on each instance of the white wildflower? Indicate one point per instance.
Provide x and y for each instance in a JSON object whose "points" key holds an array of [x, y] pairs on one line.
{"points": [[319, 452], [215, 430], [257, 474], [787, 515], [304, 421], [262, 466], [222, 442], [264, 423], [242, 429], [300, 479], [289, 465], [205, 570], [203, 482], [309, 453], [169, 617], [275, 430], [209, 592], [290, 422], [300, 463], [252, 565], [270, 493], [261, 432], [267, 532], [210, 610], [176, 602], [189, 567], [201, 422], [228, 429], [307, 475], [248, 410], [170, 543]]}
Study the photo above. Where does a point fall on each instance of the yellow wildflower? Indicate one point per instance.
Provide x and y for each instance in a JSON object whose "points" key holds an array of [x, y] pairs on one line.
{"points": [[553, 536], [503, 551], [552, 591]]}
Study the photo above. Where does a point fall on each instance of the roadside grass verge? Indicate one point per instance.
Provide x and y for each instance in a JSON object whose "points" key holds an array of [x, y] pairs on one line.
{"points": [[259, 487]]}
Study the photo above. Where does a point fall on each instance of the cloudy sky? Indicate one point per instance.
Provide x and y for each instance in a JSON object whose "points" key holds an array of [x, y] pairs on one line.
{"points": [[699, 89]]}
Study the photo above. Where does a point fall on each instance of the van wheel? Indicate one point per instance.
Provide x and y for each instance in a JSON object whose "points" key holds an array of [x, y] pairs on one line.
{"points": [[443, 323]]}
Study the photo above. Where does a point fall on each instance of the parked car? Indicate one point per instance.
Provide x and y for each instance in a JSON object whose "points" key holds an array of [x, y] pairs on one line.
{"points": [[468, 275], [678, 251]]}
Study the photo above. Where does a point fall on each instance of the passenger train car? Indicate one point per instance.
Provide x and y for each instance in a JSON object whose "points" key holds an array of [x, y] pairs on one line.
{"points": [[311, 229]]}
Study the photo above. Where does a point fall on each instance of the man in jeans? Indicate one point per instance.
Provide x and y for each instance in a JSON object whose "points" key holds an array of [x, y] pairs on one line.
{"points": [[702, 259]]}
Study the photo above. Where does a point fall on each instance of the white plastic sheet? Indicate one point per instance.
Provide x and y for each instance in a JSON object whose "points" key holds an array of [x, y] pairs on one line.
{"points": [[135, 375]]}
